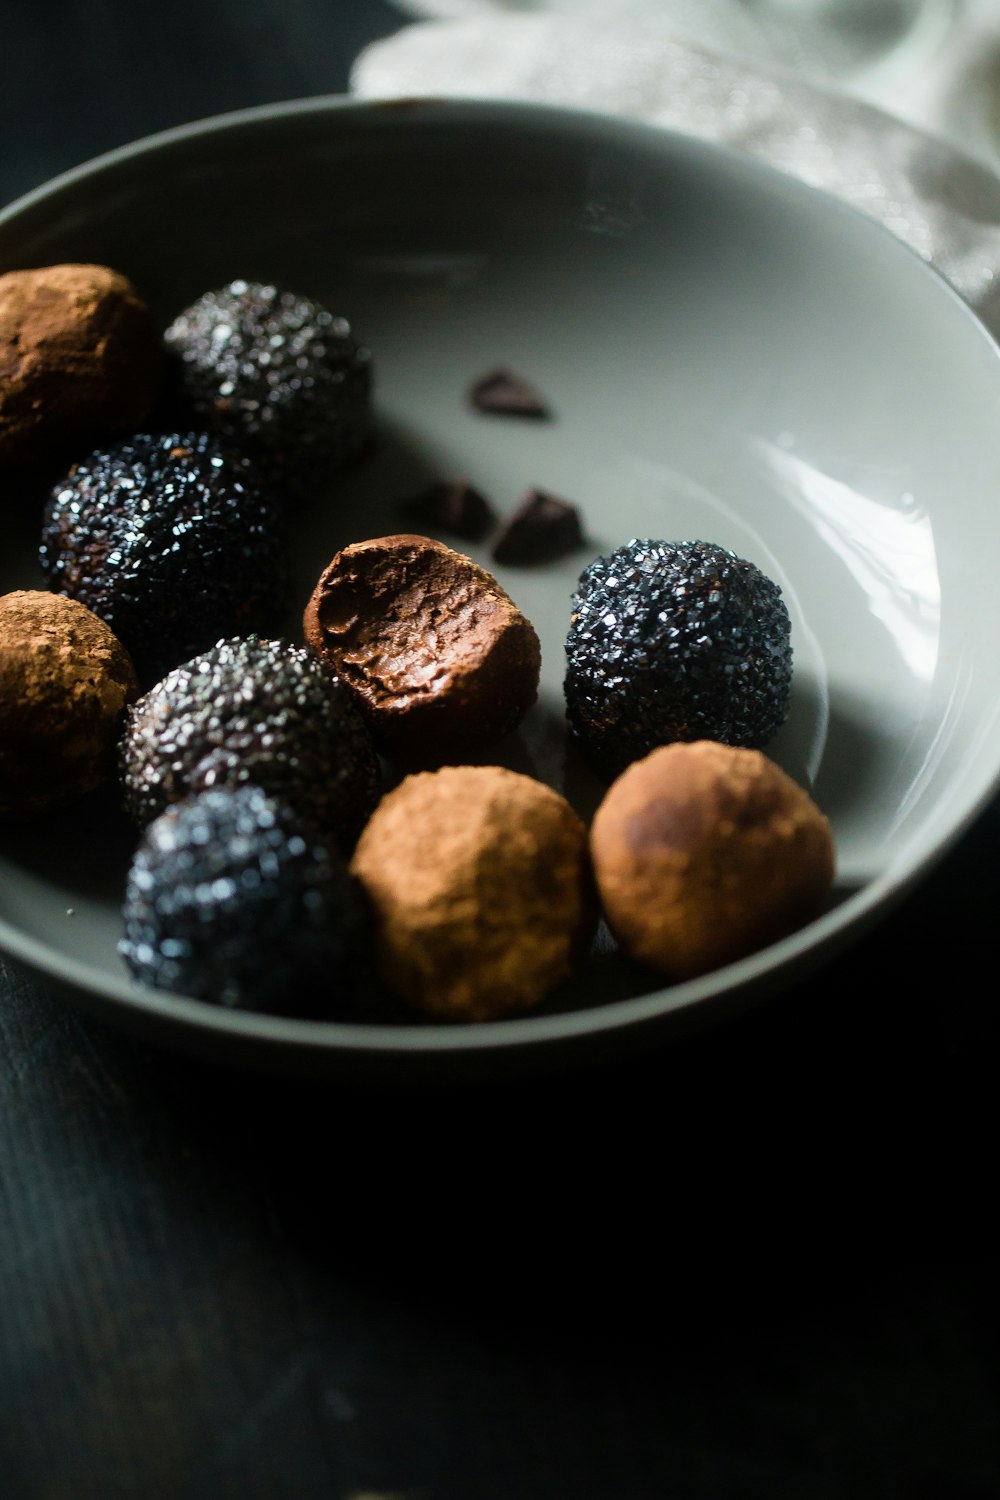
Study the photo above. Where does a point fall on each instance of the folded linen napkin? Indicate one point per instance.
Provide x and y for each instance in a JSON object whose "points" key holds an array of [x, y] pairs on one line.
{"points": [[941, 200]]}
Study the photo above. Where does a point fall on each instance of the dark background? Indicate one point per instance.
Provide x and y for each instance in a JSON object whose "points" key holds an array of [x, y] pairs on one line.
{"points": [[750, 1265]]}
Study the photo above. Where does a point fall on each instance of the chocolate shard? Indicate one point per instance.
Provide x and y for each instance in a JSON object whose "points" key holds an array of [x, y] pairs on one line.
{"points": [[542, 528], [452, 505], [504, 393]]}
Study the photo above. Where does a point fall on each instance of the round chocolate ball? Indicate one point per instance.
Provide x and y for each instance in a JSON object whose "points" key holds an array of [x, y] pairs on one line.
{"points": [[230, 898], [278, 375], [674, 641], [252, 710], [480, 885], [171, 538], [65, 681], [704, 853], [437, 654], [80, 360]]}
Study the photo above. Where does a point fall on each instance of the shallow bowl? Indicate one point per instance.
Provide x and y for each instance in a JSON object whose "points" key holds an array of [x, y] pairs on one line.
{"points": [[730, 356]]}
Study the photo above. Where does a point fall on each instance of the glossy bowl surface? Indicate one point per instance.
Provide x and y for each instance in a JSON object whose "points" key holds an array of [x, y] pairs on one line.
{"points": [[729, 355]]}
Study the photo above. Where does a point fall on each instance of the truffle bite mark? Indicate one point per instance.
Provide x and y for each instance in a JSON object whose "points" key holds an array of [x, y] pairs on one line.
{"points": [[438, 654]]}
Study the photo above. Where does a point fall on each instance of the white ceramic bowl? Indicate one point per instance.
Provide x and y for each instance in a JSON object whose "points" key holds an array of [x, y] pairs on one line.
{"points": [[731, 356]]}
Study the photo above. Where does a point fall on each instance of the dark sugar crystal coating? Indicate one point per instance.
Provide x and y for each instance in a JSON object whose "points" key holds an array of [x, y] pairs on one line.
{"points": [[230, 898], [257, 711], [675, 641], [172, 541], [277, 374]]}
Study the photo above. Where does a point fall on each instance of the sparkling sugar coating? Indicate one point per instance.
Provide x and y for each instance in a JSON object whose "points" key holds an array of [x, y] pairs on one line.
{"points": [[231, 899], [675, 641], [252, 710], [172, 540], [277, 374]]}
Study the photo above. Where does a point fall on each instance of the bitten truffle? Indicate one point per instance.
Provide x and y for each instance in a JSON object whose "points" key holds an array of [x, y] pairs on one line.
{"points": [[80, 360], [704, 853], [253, 710], [439, 657], [65, 680], [675, 641], [480, 886]]}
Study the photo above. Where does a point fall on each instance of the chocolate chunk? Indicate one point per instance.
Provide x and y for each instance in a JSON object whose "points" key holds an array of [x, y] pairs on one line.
{"points": [[452, 505], [542, 528], [504, 393]]}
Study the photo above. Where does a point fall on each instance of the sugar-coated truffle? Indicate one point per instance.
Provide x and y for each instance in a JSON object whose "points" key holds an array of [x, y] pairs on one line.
{"points": [[65, 680], [704, 853], [277, 374], [80, 360], [230, 898], [437, 653], [253, 710], [173, 539], [675, 641], [480, 887]]}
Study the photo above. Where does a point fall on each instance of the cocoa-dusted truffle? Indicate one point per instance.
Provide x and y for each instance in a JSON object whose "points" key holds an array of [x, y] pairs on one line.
{"points": [[253, 710], [675, 641], [438, 655], [481, 890], [172, 539], [230, 898], [80, 360], [65, 680], [278, 375], [704, 853]]}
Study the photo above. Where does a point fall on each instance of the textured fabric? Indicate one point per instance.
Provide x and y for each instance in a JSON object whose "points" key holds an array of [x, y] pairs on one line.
{"points": [[942, 201]]}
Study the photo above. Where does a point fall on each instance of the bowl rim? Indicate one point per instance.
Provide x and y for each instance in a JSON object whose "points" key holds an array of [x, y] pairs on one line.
{"points": [[773, 967]]}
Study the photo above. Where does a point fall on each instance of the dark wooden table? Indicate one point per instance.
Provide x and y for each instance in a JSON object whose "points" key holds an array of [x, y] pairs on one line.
{"points": [[753, 1265]]}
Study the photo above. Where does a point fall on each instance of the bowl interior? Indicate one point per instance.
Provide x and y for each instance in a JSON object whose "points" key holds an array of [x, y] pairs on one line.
{"points": [[729, 355]]}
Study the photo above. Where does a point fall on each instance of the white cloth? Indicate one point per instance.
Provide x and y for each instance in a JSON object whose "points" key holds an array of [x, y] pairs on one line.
{"points": [[942, 200]]}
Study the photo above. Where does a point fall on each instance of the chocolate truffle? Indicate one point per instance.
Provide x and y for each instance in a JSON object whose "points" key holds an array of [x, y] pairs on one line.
{"points": [[173, 540], [278, 375], [253, 710], [674, 641], [230, 898], [438, 655], [65, 680], [80, 360], [481, 890], [704, 853]]}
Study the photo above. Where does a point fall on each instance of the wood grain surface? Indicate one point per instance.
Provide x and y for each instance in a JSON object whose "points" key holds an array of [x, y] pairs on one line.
{"points": [[754, 1265]]}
